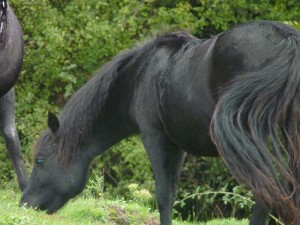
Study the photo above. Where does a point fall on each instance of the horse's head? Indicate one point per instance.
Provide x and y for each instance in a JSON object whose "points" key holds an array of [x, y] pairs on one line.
{"points": [[53, 183]]}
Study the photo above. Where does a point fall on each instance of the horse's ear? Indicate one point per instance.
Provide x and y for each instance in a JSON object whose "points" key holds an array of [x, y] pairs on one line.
{"points": [[53, 122]]}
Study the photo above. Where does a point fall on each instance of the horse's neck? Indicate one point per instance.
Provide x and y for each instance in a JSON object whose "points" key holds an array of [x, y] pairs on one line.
{"points": [[118, 120], [112, 125]]}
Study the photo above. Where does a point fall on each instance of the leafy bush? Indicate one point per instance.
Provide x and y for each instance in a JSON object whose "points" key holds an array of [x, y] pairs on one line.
{"points": [[66, 40]]}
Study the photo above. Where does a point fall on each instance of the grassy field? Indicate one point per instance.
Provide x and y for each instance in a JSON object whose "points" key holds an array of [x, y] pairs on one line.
{"points": [[85, 211]]}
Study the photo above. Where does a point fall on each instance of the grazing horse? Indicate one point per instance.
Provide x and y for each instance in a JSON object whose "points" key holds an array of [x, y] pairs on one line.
{"points": [[11, 60], [227, 95]]}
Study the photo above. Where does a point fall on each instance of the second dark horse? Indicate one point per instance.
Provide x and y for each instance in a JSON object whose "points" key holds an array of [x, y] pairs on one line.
{"points": [[11, 60], [243, 83]]}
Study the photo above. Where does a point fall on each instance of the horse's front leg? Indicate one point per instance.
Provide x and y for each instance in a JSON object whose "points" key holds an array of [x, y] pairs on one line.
{"points": [[9, 131], [166, 161]]}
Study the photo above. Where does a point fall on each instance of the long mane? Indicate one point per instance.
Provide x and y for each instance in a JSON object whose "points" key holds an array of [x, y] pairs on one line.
{"points": [[83, 108]]}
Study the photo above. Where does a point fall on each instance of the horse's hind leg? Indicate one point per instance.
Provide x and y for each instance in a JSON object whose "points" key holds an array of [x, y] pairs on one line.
{"points": [[166, 160], [9, 131], [260, 214], [297, 193]]}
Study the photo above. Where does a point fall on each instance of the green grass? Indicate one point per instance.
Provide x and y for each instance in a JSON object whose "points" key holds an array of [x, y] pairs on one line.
{"points": [[86, 210]]}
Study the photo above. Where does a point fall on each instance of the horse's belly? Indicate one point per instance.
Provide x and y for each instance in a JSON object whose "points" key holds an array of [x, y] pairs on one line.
{"points": [[193, 140], [188, 126]]}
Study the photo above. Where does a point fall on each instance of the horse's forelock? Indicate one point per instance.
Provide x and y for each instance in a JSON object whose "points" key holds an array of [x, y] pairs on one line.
{"points": [[45, 139]]}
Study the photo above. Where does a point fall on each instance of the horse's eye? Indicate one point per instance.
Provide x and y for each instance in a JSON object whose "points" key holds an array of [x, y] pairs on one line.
{"points": [[39, 161]]}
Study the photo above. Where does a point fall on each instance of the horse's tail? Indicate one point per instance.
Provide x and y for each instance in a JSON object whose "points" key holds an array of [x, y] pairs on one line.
{"points": [[245, 125]]}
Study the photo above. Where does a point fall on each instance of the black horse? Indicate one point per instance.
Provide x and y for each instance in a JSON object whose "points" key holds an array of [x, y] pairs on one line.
{"points": [[11, 60], [244, 83]]}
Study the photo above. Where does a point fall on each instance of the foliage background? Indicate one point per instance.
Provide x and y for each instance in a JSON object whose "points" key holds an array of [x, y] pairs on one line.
{"points": [[67, 40]]}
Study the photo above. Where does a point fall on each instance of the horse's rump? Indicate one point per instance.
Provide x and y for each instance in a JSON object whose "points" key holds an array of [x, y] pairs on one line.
{"points": [[263, 98]]}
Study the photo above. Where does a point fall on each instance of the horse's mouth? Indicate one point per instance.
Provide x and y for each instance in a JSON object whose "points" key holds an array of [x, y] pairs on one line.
{"points": [[45, 201], [49, 206], [54, 205]]}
